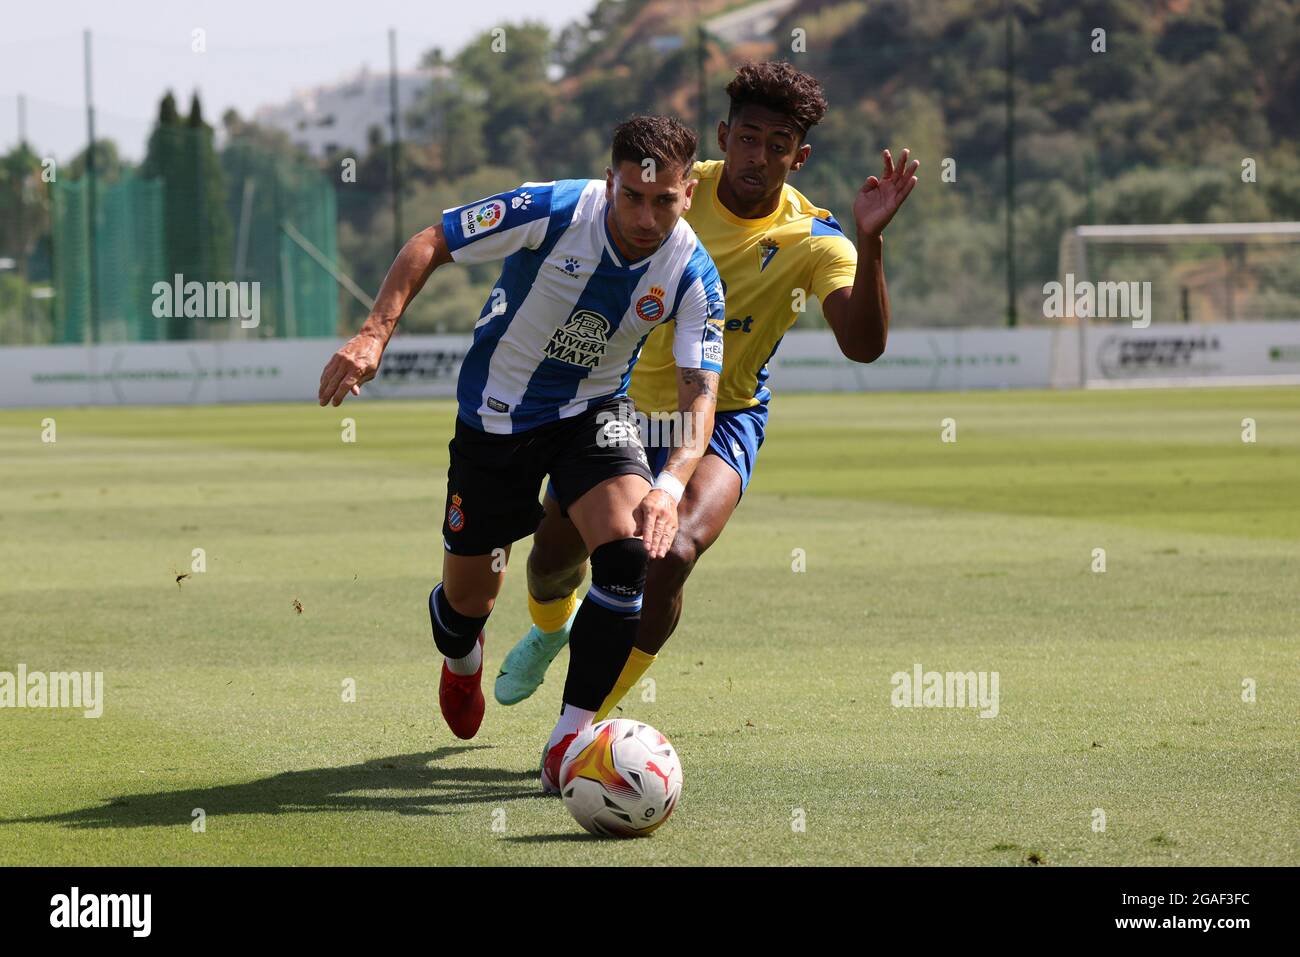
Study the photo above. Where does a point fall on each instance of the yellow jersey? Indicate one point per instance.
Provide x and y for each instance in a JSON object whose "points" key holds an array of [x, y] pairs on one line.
{"points": [[762, 262]]}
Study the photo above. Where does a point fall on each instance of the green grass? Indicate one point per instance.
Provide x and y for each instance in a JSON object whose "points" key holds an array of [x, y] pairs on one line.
{"points": [[1120, 691]]}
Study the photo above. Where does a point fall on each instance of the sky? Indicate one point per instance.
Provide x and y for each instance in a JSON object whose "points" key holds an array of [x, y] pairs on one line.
{"points": [[258, 52]]}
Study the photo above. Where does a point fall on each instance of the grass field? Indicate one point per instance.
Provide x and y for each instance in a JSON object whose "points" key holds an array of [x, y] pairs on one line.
{"points": [[1120, 691]]}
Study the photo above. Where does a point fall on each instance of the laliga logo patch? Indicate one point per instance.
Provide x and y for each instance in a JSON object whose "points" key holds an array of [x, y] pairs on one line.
{"points": [[482, 218], [455, 515], [650, 307]]}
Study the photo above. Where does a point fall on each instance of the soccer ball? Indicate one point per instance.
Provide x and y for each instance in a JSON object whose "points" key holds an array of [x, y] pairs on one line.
{"points": [[620, 778]]}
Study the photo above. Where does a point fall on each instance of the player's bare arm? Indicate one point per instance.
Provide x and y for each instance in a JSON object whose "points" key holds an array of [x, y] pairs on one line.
{"points": [[656, 516], [859, 314], [357, 362]]}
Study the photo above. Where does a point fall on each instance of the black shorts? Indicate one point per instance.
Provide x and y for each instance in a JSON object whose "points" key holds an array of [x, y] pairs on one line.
{"points": [[494, 480]]}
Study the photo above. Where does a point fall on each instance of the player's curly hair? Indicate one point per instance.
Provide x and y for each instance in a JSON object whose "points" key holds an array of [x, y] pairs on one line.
{"points": [[781, 88], [661, 138]]}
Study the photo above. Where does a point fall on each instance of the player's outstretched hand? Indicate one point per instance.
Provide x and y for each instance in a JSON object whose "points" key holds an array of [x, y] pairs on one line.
{"points": [[880, 196], [656, 522], [350, 368]]}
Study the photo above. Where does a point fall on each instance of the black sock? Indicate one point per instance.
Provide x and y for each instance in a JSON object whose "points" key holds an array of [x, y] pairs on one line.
{"points": [[453, 633], [605, 628]]}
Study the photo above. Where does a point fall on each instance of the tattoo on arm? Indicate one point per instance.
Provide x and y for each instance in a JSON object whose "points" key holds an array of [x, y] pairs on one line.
{"points": [[695, 386], [701, 382]]}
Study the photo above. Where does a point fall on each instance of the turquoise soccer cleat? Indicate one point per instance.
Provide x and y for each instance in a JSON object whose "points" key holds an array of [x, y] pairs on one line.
{"points": [[524, 668]]}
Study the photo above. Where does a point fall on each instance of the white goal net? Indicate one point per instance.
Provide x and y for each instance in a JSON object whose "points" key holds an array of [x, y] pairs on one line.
{"points": [[1176, 304]]}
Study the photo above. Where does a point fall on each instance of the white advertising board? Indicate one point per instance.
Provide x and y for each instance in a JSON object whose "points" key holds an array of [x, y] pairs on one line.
{"points": [[916, 359], [211, 372], [288, 370], [1208, 353]]}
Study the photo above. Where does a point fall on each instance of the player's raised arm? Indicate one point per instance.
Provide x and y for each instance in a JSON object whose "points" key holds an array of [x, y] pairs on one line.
{"points": [[859, 314], [697, 348]]}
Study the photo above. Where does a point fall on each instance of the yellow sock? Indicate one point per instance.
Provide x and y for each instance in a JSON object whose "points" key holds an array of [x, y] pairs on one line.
{"points": [[636, 666], [551, 615]]}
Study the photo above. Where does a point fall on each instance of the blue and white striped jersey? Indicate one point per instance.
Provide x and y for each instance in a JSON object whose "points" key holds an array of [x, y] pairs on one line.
{"points": [[566, 320]]}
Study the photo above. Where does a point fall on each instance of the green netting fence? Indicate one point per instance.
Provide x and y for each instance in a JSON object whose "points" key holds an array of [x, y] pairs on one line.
{"points": [[262, 222], [128, 259]]}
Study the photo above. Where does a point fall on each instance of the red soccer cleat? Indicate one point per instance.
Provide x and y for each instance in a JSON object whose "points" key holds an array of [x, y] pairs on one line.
{"points": [[461, 700], [551, 762]]}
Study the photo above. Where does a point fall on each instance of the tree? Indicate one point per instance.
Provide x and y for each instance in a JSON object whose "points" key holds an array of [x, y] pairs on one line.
{"points": [[212, 219], [24, 209], [108, 163], [24, 221], [196, 222]]}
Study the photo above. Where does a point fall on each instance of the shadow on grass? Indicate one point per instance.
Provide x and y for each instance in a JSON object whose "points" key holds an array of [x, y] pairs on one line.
{"points": [[583, 838], [402, 784]]}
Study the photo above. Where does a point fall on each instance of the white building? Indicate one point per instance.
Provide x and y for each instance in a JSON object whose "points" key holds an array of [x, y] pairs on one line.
{"points": [[339, 117], [751, 23]]}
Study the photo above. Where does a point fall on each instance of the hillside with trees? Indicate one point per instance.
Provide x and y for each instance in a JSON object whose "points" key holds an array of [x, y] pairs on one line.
{"points": [[1125, 111]]}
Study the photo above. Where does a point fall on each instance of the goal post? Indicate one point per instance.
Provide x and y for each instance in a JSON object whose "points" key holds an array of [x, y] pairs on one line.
{"points": [[1176, 304]]}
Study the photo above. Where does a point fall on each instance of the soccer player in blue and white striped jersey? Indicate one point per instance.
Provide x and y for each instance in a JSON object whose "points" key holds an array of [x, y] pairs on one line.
{"points": [[591, 268]]}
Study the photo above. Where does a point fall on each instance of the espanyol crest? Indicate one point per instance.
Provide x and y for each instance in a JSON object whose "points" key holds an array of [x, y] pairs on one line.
{"points": [[650, 307]]}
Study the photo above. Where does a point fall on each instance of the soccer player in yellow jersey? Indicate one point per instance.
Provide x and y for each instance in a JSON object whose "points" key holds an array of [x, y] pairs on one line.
{"points": [[767, 240]]}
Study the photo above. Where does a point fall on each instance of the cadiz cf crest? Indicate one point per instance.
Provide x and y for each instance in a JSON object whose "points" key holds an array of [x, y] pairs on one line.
{"points": [[767, 249], [455, 515]]}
